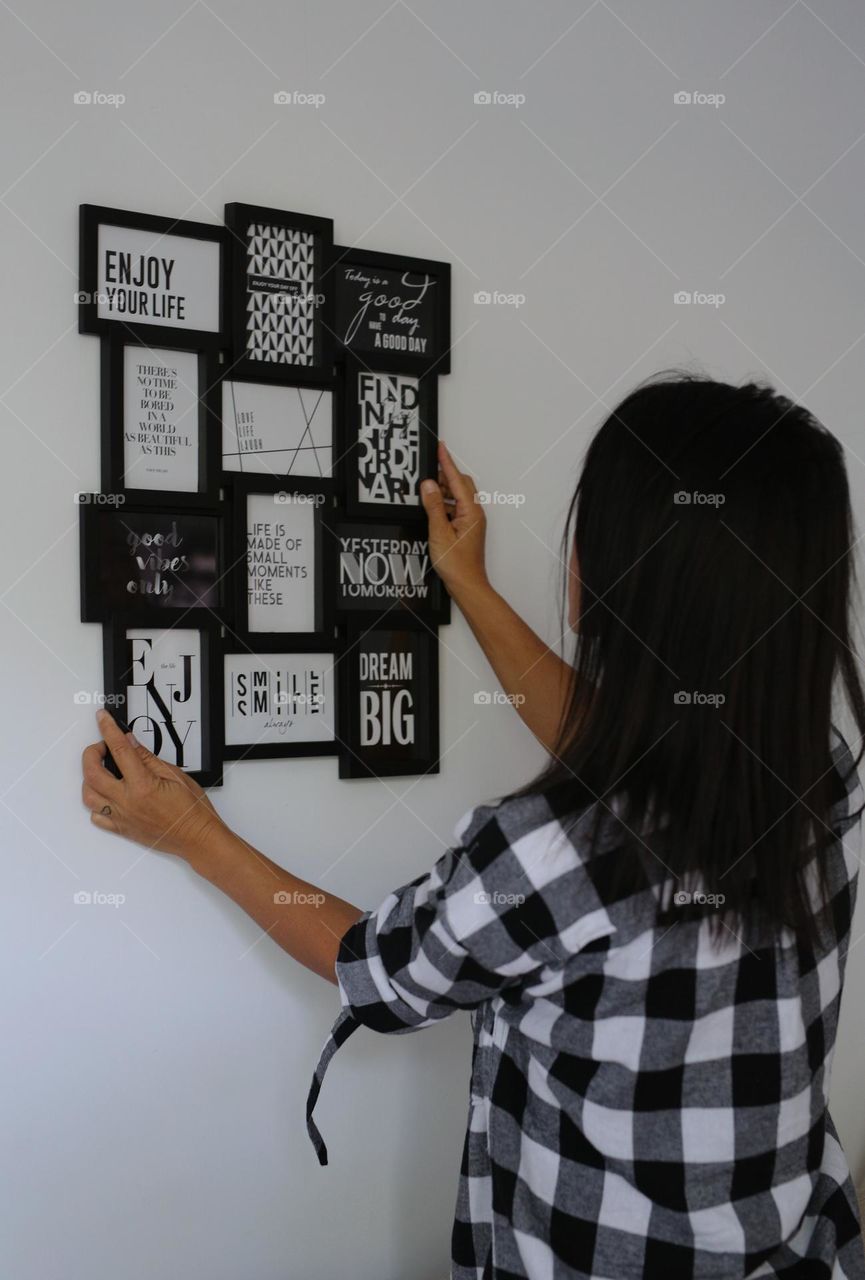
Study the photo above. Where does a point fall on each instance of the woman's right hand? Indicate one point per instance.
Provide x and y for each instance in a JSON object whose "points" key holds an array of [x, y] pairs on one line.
{"points": [[457, 527]]}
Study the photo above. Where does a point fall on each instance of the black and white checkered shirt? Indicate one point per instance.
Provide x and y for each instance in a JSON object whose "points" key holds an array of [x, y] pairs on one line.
{"points": [[642, 1104]]}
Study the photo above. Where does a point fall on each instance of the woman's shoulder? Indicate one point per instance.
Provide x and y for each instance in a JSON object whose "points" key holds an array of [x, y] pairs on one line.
{"points": [[533, 819]]}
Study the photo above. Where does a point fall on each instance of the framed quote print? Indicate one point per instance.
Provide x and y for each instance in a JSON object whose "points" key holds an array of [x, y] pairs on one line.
{"points": [[158, 279], [279, 556], [385, 568], [166, 682], [150, 562], [388, 721], [271, 428], [388, 434], [159, 425], [391, 311], [280, 313], [279, 700]]}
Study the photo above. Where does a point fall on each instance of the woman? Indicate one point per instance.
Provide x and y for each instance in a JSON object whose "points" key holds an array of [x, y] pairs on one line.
{"points": [[652, 934]]}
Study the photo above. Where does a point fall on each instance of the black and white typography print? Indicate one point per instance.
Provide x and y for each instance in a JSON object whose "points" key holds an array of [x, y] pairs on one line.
{"points": [[277, 430], [281, 569], [380, 309], [278, 698], [388, 440], [152, 560], [160, 419], [144, 277], [280, 305], [390, 729], [163, 693], [381, 565]]}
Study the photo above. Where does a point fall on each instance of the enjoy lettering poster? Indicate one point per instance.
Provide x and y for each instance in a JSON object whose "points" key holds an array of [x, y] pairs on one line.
{"points": [[163, 693], [145, 277]]}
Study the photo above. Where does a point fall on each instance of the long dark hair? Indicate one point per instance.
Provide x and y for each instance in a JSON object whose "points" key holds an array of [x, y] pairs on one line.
{"points": [[714, 537]]}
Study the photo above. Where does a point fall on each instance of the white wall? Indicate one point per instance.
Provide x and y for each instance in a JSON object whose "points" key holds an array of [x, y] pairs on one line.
{"points": [[156, 1056]]}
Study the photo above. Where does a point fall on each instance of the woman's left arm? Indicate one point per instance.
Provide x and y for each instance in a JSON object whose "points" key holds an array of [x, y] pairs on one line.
{"points": [[158, 805]]}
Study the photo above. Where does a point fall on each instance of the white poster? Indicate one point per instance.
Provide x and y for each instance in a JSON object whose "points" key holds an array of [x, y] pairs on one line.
{"points": [[163, 696], [144, 277], [278, 698], [281, 431], [280, 555], [160, 419]]}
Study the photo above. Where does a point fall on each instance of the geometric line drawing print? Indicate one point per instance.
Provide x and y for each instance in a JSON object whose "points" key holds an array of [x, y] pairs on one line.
{"points": [[280, 265], [268, 429]]}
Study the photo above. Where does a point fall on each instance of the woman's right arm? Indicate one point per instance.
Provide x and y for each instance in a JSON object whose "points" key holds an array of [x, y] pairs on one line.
{"points": [[535, 678]]}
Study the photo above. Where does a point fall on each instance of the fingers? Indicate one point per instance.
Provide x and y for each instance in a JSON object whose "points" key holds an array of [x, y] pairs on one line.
{"points": [[152, 763], [125, 756], [96, 775], [434, 505], [461, 486], [104, 821]]}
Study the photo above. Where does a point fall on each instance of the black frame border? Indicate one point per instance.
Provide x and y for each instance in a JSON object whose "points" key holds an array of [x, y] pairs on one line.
{"points": [[263, 645], [241, 486], [115, 669], [237, 214], [348, 427], [352, 763], [399, 361], [91, 217]]}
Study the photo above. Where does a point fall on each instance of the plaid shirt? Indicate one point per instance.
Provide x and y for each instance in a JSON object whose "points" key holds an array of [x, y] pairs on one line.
{"points": [[642, 1104]]}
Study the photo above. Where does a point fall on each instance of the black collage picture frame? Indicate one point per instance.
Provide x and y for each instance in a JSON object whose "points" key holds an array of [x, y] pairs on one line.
{"points": [[257, 555]]}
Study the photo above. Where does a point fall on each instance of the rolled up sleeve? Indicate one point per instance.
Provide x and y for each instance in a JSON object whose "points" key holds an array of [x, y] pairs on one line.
{"points": [[449, 940]]}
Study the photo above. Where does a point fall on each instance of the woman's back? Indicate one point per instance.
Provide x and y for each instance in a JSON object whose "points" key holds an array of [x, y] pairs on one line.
{"points": [[656, 1102]]}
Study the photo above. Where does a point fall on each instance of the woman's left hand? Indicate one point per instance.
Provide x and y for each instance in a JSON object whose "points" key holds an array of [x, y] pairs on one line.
{"points": [[153, 803]]}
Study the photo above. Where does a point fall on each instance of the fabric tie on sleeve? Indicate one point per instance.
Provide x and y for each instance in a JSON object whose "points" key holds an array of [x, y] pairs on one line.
{"points": [[344, 1026]]}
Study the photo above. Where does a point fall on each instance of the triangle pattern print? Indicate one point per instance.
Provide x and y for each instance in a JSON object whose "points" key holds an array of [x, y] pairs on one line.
{"points": [[280, 323]]}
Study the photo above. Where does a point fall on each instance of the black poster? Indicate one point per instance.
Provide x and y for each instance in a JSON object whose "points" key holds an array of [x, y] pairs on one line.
{"points": [[383, 567], [148, 561], [392, 309], [389, 704]]}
